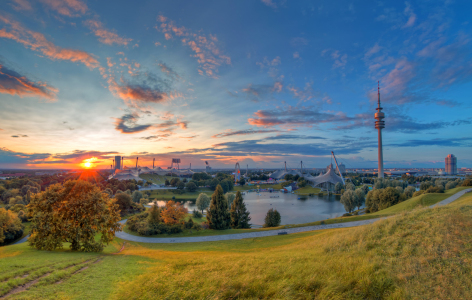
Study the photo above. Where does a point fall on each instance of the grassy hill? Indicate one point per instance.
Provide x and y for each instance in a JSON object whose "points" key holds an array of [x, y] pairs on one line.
{"points": [[424, 253]]}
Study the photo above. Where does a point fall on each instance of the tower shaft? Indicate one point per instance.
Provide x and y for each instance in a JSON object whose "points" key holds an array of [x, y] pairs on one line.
{"points": [[379, 125]]}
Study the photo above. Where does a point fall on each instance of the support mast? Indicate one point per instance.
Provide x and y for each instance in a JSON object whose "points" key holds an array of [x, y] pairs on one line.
{"points": [[379, 125]]}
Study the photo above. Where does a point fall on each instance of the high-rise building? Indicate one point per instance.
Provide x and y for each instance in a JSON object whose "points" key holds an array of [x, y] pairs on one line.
{"points": [[451, 164], [379, 125], [118, 163]]}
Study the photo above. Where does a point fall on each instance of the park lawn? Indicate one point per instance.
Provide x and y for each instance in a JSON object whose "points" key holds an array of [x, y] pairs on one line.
{"points": [[154, 178], [305, 191], [412, 255]]}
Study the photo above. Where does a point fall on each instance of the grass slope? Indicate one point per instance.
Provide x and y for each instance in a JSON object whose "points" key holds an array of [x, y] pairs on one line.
{"points": [[422, 254]]}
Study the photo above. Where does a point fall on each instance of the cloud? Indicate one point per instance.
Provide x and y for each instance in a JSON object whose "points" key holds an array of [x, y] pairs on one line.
{"points": [[19, 135], [15, 84], [37, 42], [155, 137], [269, 3], [70, 8], [270, 65], [293, 137], [135, 94], [169, 71], [296, 55], [127, 124], [296, 116], [230, 132], [21, 5], [411, 16], [79, 155], [258, 91], [298, 41], [208, 55], [441, 142], [105, 36]]}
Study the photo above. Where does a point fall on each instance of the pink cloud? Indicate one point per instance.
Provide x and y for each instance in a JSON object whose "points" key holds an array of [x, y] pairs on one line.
{"points": [[21, 5], [105, 36], [209, 56], [38, 42], [70, 8]]}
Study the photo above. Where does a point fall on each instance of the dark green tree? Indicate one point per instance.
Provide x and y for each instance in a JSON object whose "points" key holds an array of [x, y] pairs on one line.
{"points": [[180, 185], [272, 218], [154, 215], [218, 215], [239, 214], [242, 181], [191, 187]]}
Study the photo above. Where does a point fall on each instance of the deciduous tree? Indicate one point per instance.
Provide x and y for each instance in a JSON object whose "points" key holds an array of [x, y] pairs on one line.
{"points": [[203, 201], [76, 213], [272, 219], [173, 212]]}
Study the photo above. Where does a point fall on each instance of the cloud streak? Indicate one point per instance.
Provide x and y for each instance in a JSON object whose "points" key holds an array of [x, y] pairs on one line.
{"points": [[38, 42], [13, 83], [105, 36]]}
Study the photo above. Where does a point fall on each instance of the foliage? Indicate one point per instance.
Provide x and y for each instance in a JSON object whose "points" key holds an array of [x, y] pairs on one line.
{"points": [[338, 187], [126, 205], [242, 182], [142, 224], [200, 176], [74, 213], [230, 198], [136, 196], [467, 182], [197, 214], [360, 197], [173, 212], [349, 200], [191, 187], [154, 215], [239, 214], [350, 186], [174, 181], [180, 185], [218, 215], [10, 226], [301, 183], [379, 199], [203, 202], [272, 219]]}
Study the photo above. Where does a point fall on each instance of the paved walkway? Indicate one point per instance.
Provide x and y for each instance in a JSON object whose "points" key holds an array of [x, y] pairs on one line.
{"points": [[125, 236]]}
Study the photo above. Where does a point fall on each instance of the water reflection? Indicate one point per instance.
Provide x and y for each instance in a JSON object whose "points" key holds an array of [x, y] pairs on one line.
{"points": [[292, 208]]}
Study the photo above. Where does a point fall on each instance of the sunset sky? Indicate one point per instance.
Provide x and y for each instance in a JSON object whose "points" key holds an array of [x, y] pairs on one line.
{"points": [[254, 82]]}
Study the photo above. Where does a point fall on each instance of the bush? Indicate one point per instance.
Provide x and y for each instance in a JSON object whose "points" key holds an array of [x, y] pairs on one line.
{"points": [[191, 187], [467, 182], [197, 214], [197, 227], [189, 224], [10, 226], [22, 216], [347, 215], [205, 225], [272, 218]]}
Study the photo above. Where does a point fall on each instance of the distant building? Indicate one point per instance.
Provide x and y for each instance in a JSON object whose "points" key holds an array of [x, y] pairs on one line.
{"points": [[342, 168], [451, 164], [208, 169]]}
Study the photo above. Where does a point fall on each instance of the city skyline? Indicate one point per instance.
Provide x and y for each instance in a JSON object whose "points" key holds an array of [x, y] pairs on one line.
{"points": [[254, 82]]}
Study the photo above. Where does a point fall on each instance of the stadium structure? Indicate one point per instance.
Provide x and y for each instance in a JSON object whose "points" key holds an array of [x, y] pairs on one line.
{"points": [[125, 173], [325, 181]]}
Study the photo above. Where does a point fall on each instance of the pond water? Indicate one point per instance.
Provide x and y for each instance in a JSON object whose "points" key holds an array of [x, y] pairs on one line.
{"points": [[293, 209]]}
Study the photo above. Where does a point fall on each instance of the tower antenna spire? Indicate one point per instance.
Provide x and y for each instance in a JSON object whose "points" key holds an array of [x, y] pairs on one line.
{"points": [[378, 93], [379, 125]]}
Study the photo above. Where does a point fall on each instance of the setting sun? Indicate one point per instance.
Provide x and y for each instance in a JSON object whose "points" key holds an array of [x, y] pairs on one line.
{"points": [[88, 163]]}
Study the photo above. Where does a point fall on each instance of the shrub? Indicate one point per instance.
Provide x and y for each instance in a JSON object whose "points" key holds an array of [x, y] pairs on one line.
{"points": [[205, 225], [197, 214], [467, 182], [22, 216], [10, 226], [272, 218], [189, 224], [197, 227], [347, 215], [435, 189], [191, 187]]}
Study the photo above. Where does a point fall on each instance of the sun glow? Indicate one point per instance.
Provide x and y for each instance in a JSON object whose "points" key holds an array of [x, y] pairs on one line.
{"points": [[88, 163]]}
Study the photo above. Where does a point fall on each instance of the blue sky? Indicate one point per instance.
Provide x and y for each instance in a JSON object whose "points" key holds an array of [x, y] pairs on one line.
{"points": [[259, 82]]}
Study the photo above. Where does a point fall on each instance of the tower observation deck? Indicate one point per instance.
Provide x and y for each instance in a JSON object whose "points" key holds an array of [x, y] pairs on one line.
{"points": [[379, 125]]}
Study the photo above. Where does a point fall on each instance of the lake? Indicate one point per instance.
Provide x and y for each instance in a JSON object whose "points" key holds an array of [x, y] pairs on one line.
{"points": [[292, 209]]}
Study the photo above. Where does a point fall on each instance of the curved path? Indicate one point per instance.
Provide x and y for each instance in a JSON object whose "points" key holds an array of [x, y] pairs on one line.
{"points": [[125, 236]]}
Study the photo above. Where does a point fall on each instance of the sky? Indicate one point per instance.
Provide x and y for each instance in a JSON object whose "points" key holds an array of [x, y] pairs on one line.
{"points": [[256, 82]]}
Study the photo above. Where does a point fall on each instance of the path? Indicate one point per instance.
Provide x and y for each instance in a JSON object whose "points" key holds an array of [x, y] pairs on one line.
{"points": [[125, 236]]}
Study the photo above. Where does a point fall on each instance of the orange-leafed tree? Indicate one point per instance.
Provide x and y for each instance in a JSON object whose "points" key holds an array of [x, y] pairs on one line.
{"points": [[173, 213], [77, 213]]}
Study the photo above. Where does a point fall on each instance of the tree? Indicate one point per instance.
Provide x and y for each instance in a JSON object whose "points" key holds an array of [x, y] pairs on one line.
{"points": [[123, 200], [136, 196], [242, 182], [203, 201], [302, 183], [173, 212], [348, 199], [288, 177], [10, 226], [76, 213], [360, 197], [350, 186], [166, 183], [272, 219], [224, 185], [239, 214], [213, 184], [338, 187], [409, 192], [154, 215], [218, 215], [180, 185], [191, 187], [174, 181], [365, 188], [230, 198]]}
